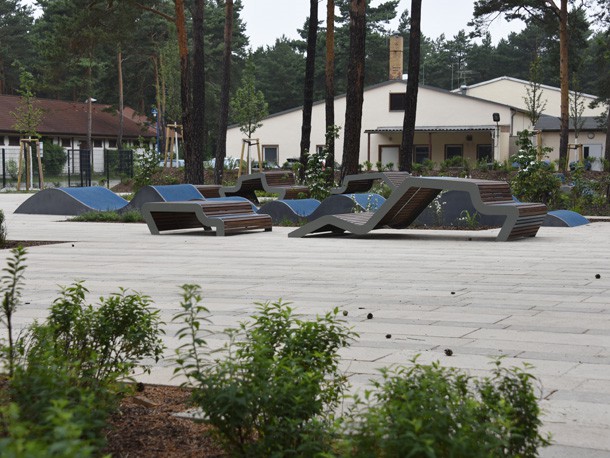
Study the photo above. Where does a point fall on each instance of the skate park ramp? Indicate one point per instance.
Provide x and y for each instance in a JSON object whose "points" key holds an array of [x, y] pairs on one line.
{"points": [[71, 201], [163, 193], [564, 218]]}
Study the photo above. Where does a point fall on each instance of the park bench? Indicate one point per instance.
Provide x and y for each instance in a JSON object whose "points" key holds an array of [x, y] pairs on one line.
{"points": [[281, 183], [409, 199], [363, 182], [224, 216]]}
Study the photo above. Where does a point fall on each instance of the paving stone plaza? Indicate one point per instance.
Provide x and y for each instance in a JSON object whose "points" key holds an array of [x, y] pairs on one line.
{"points": [[534, 301]]}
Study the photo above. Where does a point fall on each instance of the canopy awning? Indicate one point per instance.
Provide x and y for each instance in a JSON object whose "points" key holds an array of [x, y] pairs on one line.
{"points": [[394, 129]]}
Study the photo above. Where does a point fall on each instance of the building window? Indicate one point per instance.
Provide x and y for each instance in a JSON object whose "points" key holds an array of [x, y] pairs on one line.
{"points": [[484, 153], [97, 143], [111, 143], [422, 152], [319, 149], [398, 101], [270, 153], [13, 140], [66, 142], [454, 151]]}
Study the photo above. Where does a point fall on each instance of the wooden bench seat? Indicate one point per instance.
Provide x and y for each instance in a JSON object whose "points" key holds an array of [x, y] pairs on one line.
{"points": [[414, 194], [281, 183], [224, 216]]}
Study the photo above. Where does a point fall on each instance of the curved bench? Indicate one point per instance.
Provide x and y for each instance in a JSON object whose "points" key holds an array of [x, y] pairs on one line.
{"points": [[225, 216], [415, 193], [281, 183]]}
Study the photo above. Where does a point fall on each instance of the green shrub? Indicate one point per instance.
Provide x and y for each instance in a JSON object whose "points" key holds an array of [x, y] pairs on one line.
{"points": [[146, 166], [433, 411], [2, 229], [535, 181], [275, 390], [67, 372], [132, 216], [53, 159]]}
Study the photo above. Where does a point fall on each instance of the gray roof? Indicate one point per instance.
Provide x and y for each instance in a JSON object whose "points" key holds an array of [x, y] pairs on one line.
{"points": [[553, 123]]}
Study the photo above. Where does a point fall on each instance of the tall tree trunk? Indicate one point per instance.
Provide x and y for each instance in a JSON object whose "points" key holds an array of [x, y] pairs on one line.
{"points": [[223, 116], [185, 90], [119, 141], [310, 65], [564, 81], [330, 88], [405, 160], [194, 174], [607, 151], [355, 88]]}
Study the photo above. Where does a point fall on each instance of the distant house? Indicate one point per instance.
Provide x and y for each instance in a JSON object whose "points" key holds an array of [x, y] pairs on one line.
{"points": [[478, 122], [65, 124]]}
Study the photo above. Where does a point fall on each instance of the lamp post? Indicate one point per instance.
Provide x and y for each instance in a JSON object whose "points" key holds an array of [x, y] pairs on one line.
{"points": [[496, 118], [155, 113]]}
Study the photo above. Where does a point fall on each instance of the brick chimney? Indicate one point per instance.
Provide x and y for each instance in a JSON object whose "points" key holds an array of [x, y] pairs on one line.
{"points": [[396, 60]]}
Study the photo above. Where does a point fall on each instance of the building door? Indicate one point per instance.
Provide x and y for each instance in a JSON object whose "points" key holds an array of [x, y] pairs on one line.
{"points": [[389, 155], [594, 154]]}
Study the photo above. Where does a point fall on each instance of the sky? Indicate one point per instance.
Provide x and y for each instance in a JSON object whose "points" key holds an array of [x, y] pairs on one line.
{"points": [[267, 20]]}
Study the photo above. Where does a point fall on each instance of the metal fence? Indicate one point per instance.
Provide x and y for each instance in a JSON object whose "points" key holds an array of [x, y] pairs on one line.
{"points": [[82, 168]]}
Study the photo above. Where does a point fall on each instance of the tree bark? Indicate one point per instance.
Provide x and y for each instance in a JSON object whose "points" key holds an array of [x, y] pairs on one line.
{"points": [[310, 64], [405, 160], [185, 93], [564, 82], [119, 142], [330, 89], [355, 88], [194, 172], [607, 151], [223, 116]]}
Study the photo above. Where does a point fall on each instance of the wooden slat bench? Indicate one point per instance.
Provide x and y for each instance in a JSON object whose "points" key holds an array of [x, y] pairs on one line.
{"points": [[409, 199], [224, 216], [363, 182], [209, 190], [281, 183]]}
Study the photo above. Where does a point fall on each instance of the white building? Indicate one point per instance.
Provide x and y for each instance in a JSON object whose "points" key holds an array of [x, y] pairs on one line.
{"points": [[448, 124]]}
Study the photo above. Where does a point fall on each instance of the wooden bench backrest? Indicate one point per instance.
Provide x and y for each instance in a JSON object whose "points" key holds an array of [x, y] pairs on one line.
{"points": [[226, 208], [280, 178], [495, 191]]}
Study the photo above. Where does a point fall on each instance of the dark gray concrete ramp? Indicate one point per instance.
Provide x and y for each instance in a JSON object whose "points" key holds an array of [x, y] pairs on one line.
{"points": [[71, 201], [163, 193], [564, 218]]}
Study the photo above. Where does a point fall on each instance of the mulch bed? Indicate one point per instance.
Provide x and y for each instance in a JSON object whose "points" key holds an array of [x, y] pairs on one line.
{"points": [[145, 426]]}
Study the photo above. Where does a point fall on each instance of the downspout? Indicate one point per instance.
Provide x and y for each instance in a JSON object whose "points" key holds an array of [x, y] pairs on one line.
{"points": [[368, 146]]}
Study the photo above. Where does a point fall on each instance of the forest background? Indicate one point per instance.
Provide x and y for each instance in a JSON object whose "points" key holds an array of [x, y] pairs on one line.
{"points": [[74, 49]]}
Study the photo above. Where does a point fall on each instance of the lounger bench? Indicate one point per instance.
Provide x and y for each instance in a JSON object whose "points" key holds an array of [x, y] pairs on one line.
{"points": [[363, 182], [281, 183], [415, 193], [224, 216]]}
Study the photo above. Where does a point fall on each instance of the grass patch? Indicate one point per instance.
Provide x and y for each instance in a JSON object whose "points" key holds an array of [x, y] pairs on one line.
{"points": [[132, 216]]}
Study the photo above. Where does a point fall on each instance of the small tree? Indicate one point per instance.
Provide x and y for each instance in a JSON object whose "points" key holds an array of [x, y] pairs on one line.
{"points": [[248, 106], [533, 100], [27, 115], [577, 107]]}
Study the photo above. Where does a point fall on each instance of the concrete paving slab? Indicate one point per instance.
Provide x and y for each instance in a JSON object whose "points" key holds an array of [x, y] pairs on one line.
{"points": [[534, 300]]}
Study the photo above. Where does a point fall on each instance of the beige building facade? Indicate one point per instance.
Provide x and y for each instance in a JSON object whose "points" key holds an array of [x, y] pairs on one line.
{"points": [[448, 124]]}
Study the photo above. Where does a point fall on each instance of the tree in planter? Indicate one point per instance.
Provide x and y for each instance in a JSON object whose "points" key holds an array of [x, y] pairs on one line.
{"points": [[248, 106]]}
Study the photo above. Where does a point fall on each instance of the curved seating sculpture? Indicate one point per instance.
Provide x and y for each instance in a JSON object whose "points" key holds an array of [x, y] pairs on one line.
{"points": [[363, 182], [223, 215], [71, 201], [163, 193], [414, 194], [281, 183]]}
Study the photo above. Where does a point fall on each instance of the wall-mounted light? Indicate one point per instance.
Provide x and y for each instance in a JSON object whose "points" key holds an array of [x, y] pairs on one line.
{"points": [[496, 117]]}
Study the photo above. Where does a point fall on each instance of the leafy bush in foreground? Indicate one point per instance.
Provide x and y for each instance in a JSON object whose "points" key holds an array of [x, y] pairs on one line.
{"points": [[275, 390], [67, 372], [442, 412]]}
